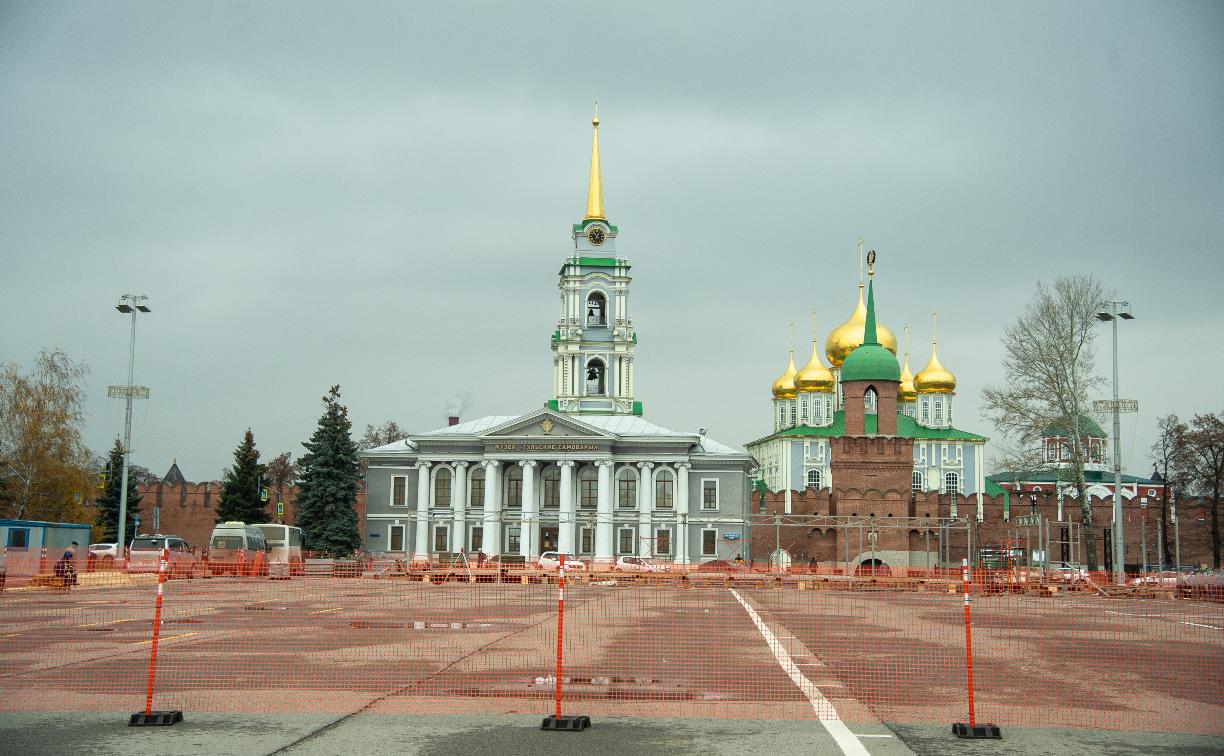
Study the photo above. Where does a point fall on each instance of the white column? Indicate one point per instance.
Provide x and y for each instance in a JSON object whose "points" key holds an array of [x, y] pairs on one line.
{"points": [[528, 523], [603, 505], [459, 503], [645, 489], [421, 552], [565, 517], [682, 510], [492, 507]]}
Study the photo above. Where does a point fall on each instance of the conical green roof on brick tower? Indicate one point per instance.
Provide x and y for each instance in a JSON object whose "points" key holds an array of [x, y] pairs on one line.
{"points": [[871, 361]]}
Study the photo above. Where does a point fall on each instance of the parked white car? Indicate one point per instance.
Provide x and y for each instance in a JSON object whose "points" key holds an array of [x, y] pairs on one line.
{"points": [[1066, 572], [1165, 578], [551, 560], [102, 555], [144, 555], [637, 564]]}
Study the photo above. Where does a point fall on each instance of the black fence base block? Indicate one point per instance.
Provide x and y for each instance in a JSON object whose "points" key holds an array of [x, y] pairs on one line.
{"points": [[986, 731], [567, 724], [155, 718]]}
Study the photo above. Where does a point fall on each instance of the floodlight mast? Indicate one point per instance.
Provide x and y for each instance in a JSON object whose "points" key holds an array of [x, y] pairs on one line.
{"points": [[1111, 312], [128, 303]]}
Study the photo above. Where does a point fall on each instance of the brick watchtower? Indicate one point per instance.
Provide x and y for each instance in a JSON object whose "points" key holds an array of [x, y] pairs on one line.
{"points": [[872, 466]]}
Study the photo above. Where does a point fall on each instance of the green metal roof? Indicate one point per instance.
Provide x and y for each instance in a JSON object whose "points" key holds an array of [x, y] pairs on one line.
{"points": [[870, 361], [907, 427], [595, 262], [1068, 476], [1087, 427]]}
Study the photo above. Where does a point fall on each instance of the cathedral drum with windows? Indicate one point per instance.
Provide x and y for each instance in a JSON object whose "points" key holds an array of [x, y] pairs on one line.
{"points": [[866, 437]]}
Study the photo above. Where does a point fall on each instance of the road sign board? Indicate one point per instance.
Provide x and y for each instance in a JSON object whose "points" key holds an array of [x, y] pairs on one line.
{"points": [[1107, 405], [263, 493], [280, 508]]}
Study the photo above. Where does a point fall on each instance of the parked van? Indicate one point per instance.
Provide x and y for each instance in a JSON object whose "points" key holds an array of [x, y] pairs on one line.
{"points": [[238, 549], [286, 544]]}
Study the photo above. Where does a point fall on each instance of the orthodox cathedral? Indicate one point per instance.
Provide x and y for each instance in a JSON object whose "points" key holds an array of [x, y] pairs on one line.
{"points": [[810, 410]]}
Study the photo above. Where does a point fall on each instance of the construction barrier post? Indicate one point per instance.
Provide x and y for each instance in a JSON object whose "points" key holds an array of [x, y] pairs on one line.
{"points": [[148, 716], [973, 729], [556, 721]]}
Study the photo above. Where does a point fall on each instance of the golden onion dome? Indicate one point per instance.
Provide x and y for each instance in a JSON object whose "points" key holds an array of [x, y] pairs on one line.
{"points": [[849, 335], [815, 376], [935, 378], [906, 392], [784, 387]]}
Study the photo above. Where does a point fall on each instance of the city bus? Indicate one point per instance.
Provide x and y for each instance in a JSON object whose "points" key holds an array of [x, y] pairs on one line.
{"points": [[285, 544]]}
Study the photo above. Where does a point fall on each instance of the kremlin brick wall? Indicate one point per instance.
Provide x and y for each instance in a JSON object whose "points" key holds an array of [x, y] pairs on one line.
{"points": [[190, 510], [804, 542]]}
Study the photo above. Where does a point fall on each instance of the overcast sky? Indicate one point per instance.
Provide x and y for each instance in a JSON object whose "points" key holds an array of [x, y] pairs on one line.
{"points": [[380, 196]]}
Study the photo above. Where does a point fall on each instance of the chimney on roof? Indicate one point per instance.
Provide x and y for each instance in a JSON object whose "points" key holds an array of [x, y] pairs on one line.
{"points": [[452, 420]]}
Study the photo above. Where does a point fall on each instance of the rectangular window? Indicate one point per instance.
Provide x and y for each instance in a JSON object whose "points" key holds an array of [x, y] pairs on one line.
{"points": [[477, 493], [442, 489], [626, 493], [589, 491], [441, 538], [19, 538], [399, 490], [624, 541], [514, 493], [552, 493], [709, 494], [586, 544], [397, 538], [663, 492], [477, 538], [512, 540], [709, 542], [663, 541]]}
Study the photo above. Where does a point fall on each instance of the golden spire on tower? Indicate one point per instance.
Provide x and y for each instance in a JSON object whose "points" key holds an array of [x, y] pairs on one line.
{"points": [[595, 209]]}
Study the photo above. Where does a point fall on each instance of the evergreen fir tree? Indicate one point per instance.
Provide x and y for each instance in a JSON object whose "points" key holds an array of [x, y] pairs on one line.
{"points": [[328, 482], [107, 504], [239, 499]]}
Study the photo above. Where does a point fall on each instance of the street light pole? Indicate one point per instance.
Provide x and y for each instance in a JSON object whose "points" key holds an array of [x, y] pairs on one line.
{"points": [[128, 303], [1116, 311]]}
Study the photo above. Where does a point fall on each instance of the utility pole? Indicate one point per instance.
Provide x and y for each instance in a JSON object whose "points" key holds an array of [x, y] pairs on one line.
{"points": [[128, 303], [1113, 312]]}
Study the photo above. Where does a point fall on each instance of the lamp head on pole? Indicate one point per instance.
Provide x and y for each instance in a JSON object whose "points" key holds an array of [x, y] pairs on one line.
{"points": [[123, 308]]}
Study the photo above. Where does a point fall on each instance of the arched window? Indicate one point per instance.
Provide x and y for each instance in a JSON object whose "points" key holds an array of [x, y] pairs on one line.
{"points": [[442, 488], [626, 489], [550, 484], [664, 489], [813, 478], [939, 411], [512, 488], [916, 484], [588, 487], [803, 408], [870, 401], [596, 372], [781, 414], [794, 411], [925, 409], [476, 487], [597, 309], [951, 483]]}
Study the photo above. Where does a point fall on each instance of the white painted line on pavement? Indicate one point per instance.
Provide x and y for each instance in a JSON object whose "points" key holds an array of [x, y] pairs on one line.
{"points": [[1195, 624], [846, 740]]}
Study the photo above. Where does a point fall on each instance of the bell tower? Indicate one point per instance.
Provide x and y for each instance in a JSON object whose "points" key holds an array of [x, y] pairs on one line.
{"points": [[594, 343]]}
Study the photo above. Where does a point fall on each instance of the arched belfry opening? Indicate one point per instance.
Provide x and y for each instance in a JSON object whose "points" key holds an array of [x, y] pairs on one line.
{"points": [[597, 309], [596, 378], [871, 401]]}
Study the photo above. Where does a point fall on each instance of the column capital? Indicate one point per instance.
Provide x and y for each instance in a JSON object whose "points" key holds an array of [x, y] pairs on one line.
{"points": [[683, 465], [603, 463], [646, 465], [527, 463], [490, 464], [566, 463], [424, 465], [461, 465]]}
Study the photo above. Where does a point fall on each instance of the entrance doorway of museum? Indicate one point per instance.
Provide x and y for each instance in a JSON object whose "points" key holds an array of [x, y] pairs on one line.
{"points": [[548, 538]]}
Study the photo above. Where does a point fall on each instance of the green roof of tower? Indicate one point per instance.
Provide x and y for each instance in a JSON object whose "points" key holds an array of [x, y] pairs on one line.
{"points": [[871, 361]]}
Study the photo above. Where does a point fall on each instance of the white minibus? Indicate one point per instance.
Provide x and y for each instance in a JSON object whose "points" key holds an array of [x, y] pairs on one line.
{"points": [[285, 542]]}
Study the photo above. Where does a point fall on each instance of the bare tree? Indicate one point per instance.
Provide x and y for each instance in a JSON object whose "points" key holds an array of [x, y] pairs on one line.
{"points": [[382, 435], [1205, 449], [44, 467], [1048, 361], [1169, 456]]}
